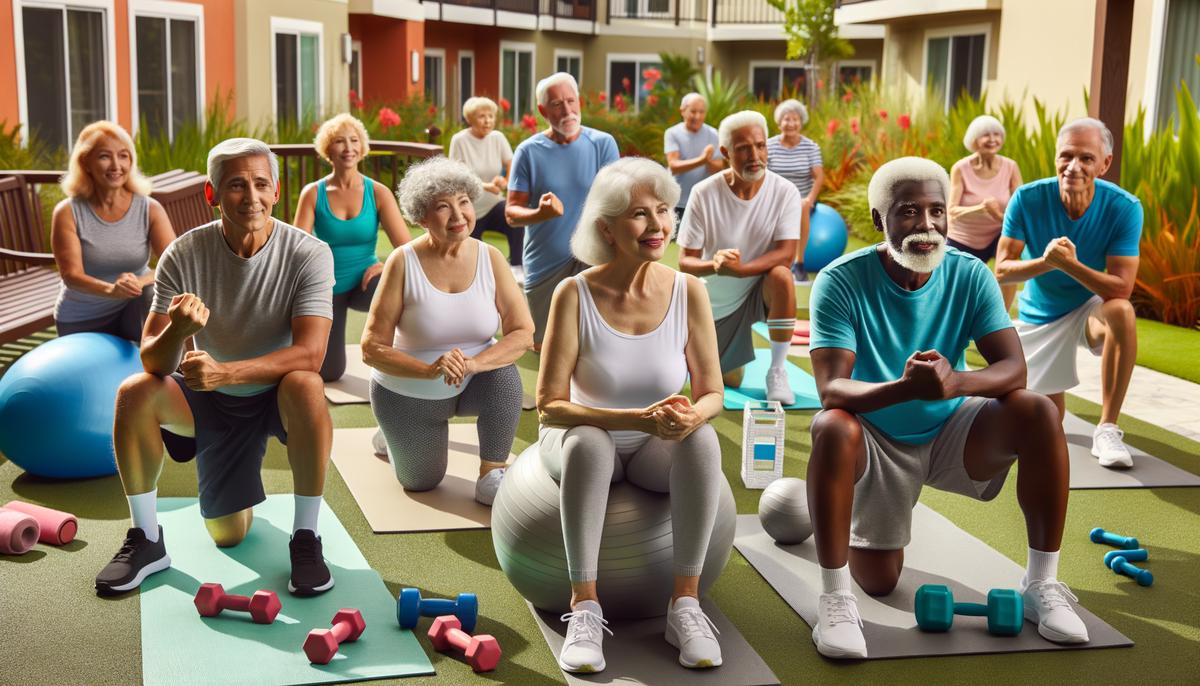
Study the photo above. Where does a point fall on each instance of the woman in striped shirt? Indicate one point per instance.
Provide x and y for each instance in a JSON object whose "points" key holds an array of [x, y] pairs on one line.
{"points": [[797, 158]]}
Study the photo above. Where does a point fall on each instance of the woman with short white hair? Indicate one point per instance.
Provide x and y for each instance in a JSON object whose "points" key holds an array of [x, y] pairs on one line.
{"points": [[488, 153], [797, 158], [622, 339], [430, 335]]}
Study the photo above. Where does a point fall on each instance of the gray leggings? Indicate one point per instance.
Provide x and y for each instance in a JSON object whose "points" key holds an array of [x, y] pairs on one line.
{"points": [[584, 461], [418, 430], [335, 350]]}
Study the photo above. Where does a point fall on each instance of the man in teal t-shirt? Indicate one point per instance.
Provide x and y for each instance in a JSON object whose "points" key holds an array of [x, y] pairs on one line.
{"points": [[890, 325], [1082, 234]]}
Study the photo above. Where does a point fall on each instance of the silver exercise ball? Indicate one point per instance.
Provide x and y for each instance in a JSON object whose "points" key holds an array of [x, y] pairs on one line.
{"points": [[783, 511], [636, 571]]}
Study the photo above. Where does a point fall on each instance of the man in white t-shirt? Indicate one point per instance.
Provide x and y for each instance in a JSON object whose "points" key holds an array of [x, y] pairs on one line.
{"points": [[739, 232], [691, 148]]}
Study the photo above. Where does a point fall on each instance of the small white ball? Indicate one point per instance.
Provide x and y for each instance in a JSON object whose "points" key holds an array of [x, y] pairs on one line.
{"points": [[783, 511]]}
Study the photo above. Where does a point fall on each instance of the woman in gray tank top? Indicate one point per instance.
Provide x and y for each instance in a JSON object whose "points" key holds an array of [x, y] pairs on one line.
{"points": [[102, 236]]}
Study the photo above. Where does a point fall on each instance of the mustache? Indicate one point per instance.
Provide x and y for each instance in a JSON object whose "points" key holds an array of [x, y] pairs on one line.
{"points": [[923, 237]]}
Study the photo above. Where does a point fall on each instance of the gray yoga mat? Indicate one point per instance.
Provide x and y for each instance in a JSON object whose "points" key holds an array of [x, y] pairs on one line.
{"points": [[637, 653], [940, 553], [1147, 471]]}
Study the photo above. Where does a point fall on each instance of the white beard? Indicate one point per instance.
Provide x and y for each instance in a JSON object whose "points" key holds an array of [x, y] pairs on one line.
{"points": [[753, 176], [568, 129], [917, 262]]}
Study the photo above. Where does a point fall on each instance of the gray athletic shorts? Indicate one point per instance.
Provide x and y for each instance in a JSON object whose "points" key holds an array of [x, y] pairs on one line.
{"points": [[540, 294], [887, 492], [735, 342]]}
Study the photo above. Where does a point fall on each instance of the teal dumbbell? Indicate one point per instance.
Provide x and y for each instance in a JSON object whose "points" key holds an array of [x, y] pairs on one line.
{"points": [[1138, 555], [1121, 566], [1099, 535], [935, 609]]}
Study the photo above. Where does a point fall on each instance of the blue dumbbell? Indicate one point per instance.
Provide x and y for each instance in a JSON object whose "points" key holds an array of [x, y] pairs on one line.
{"points": [[1099, 535], [1121, 566], [410, 607], [1130, 556]]}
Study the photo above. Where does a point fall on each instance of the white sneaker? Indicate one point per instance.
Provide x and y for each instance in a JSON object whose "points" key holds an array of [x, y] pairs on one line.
{"points": [[1046, 602], [1108, 446], [379, 444], [487, 485], [518, 273], [778, 387], [582, 651], [691, 631], [838, 632]]}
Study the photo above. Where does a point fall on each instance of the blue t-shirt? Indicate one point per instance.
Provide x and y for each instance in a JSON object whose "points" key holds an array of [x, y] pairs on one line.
{"points": [[689, 145], [856, 306], [542, 166], [1112, 225]]}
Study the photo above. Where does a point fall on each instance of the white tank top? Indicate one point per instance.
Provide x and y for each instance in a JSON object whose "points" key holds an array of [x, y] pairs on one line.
{"points": [[434, 322], [622, 371]]}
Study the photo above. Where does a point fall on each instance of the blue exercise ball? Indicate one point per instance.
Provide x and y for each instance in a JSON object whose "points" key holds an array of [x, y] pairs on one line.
{"points": [[827, 237], [57, 403]]}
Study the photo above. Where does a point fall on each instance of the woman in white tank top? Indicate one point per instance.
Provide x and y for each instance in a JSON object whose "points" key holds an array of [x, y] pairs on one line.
{"points": [[430, 335], [622, 339]]}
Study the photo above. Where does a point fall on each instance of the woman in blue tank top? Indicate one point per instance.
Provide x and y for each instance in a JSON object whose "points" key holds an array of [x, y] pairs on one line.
{"points": [[346, 209]]}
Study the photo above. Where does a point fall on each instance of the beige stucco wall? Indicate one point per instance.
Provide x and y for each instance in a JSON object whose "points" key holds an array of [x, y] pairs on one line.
{"points": [[255, 45], [598, 48], [904, 47]]}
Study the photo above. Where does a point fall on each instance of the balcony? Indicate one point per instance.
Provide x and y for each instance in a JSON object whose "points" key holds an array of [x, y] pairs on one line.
{"points": [[584, 10], [674, 11]]}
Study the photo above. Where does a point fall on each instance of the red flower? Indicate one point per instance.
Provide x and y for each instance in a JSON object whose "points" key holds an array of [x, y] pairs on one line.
{"points": [[651, 74], [832, 127], [602, 97], [432, 110], [529, 122], [625, 83], [505, 104], [883, 114], [651, 100], [904, 121], [847, 97], [820, 84], [854, 125], [355, 101], [619, 102], [388, 118], [647, 86]]}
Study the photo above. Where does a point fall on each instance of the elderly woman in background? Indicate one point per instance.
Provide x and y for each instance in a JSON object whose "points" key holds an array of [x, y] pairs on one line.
{"points": [[981, 185], [487, 153], [346, 209], [797, 158], [430, 335], [622, 339], [102, 236]]}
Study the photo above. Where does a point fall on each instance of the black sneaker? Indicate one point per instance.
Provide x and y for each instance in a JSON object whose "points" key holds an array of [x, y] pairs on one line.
{"points": [[310, 576], [137, 559]]}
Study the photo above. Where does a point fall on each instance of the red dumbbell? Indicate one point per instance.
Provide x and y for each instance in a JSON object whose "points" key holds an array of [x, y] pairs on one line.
{"points": [[263, 606], [322, 644], [482, 651]]}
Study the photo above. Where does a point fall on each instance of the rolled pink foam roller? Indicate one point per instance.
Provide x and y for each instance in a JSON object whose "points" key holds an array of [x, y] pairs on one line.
{"points": [[58, 528], [18, 532]]}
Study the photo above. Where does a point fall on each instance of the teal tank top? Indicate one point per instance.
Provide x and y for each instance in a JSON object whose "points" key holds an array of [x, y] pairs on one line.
{"points": [[351, 240]]}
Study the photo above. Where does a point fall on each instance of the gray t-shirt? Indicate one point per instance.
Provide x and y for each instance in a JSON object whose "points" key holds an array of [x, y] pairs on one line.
{"points": [[689, 145], [108, 249], [251, 302]]}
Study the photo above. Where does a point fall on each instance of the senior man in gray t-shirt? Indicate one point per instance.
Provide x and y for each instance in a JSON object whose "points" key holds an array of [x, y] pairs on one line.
{"points": [[254, 295]]}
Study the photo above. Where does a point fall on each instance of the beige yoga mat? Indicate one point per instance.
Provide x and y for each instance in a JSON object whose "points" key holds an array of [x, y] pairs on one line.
{"points": [[355, 384], [1147, 471], [389, 508]]}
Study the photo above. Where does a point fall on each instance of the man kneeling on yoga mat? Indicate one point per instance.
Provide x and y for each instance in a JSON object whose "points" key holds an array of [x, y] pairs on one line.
{"points": [[890, 324], [255, 297]]}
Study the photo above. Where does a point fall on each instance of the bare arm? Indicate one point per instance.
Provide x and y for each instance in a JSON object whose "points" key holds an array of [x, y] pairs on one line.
{"points": [[515, 320], [818, 174], [163, 343], [703, 360], [1010, 268], [690, 262], [68, 255], [310, 335], [1114, 283], [161, 235], [306, 207], [1004, 373], [679, 166], [831, 370], [956, 209], [516, 212], [389, 216], [380, 331]]}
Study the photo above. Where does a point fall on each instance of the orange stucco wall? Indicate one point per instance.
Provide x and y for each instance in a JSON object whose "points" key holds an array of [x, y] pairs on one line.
{"points": [[387, 45], [483, 40], [10, 110], [220, 55]]}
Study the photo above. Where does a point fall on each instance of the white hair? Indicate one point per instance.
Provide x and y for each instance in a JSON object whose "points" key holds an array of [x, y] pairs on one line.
{"points": [[740, 120], [687, 100], [543, 86], [428, 180], [610, 195], [984, 123], [1106, 137], [233, 148], [473, 105], [882, 189], [791, 105]]}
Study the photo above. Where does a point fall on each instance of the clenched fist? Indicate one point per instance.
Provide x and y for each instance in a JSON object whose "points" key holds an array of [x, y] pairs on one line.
{"points": [[201, 372], [187, 313]]}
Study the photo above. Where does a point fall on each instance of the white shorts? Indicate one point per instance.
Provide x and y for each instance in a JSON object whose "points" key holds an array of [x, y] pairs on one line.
{"points": [[1050, 348]]}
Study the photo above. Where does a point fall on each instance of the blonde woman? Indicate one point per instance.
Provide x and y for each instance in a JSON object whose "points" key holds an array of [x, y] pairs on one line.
{"points": [[102, 236]]}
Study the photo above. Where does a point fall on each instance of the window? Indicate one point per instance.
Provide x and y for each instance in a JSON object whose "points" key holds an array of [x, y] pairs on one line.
{"points": [[66, 70], [466, 76], [1178, 61], [356, 69], [647, 8], [167, 78], [298, 68], [516, 77], [435, 76], [627, 77], [569, 61], [954, 65], [770, 80], [851, 73]]}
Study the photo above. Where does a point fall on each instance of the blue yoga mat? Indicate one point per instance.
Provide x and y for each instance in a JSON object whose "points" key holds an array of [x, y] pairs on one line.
{"points": [[181, 648], [754, 385]]}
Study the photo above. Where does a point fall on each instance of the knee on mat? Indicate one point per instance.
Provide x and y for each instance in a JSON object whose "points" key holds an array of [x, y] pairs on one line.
{"points": [[420, 482], [231, 530], [876, 582]]}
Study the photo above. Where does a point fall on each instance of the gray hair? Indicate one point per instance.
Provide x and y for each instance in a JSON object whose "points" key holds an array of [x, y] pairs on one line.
{"points": [[740, 120], [428, 180], [543, 86], [232, 148], [791, 105], [881, 191], [984, 123], [473, 105], [1106, 137], [687, 100], [610, 195]]}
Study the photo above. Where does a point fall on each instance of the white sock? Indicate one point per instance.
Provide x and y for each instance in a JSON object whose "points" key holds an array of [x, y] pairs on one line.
{"points": [[307, 509], [835, 580], [1042, 565], [143, 510], [685, 601], [779, 351], [591, 606]]}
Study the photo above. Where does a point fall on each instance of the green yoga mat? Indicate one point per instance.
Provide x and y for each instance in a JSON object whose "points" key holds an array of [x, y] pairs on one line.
{"points": [[180, 648], [754, 385]]}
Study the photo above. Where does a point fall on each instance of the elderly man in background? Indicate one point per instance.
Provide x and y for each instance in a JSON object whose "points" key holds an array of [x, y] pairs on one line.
{"points": [[692, 148]]}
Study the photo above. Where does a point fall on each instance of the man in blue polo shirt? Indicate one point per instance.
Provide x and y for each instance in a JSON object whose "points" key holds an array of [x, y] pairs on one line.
{"points": [[890, 325], [1082, 235]]}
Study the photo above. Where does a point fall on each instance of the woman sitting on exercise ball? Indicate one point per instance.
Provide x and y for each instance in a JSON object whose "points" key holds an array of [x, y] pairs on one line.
{"points": [[346, 209], [797, 158], [430, 335], [621, 341]]}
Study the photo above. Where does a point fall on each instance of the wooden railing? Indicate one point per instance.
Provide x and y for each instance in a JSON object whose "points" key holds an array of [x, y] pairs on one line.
{"points": [[677, 11], [745, 12]]}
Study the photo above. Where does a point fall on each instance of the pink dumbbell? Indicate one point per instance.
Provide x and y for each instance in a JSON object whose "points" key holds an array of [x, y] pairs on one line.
{"points": [[322, 644], [482, 651], [263, 606]]}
